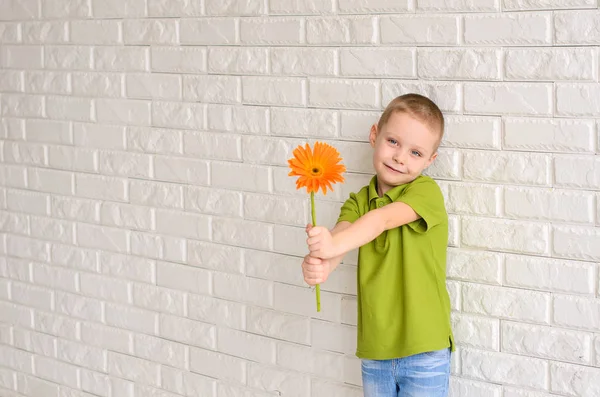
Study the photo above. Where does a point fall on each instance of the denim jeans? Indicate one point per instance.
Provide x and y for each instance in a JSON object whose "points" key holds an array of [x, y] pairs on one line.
{"points": [[422, 375]]}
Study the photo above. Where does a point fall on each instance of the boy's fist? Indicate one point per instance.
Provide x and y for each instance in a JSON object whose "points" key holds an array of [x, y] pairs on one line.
{"points": [[315, 270], [320, 242]]}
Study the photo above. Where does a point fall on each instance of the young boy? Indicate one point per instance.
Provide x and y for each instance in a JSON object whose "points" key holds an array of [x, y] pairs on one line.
{"points": [[400, 224]]}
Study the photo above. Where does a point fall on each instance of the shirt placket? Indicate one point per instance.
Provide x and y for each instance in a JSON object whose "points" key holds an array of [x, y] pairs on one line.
{"points": [[380, 240]]}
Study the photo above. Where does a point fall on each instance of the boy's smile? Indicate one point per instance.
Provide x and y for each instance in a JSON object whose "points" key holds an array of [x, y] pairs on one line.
{"points": [[404, 147]]}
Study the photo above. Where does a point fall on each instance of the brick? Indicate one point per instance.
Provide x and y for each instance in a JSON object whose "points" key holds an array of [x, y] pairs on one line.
{"points": [[447, 165], [217, 365], [361, 94], [546, 342], [341, 30], [271, 31], [125, 59], [47, 83], [226, 60], [458, 5], [419, 29], [333, 337], [150, 31], [77, 306], [19, 9], [363, 6], [154, 140], [166, 8], [101, 187], [18, 105], [472, 132], [186, 383], [56, 371], [12, 129], [301, 301], [11, 81], [549, 274], [304, 359], [55, 325], [14, 176], [153, 86], [95, 32], [274, 91], [131, 319], [217, 311], [477, 266], [81, 355], [125, 164], [181, 170], [160, 351], [75, 209], [545, 135], [238, 119], [574, 380], [178, 59], [298, 8], [178, 115], [277, 325], [123, 111], [566, 172], [248, 7], [303, 61], [66, 8], [304, 122], [118, 9], [243, 289], [577, 27], [245, 345], [24, 247], [213, 201], [547, 204], [25, 57], [283, 210], [19, 315], [28, 202], [183, 224], [127, 267], [135, 369], [105, 288], [52, 229], [459, 64], [576, 242], [93, 382], [99, 136], [242, 233], [106, 337], [70, 108], [508, 303], [208, 31], [505, 368], [217, 146], [577, 99], [54, 277], [508, 29], [183, 278], [216, 257], [513, 5], [32, 296], [153, 246], [355, 125], [14, 223], [267, 378], [156, 194], [24, 153], [378, 62], [507, 168], [248, 177], [68, 57], [189, 332], [549, 64], [73, 159], [29, 385], [74, 257], [127, 216], [9, 32], [508, 98], [273, 151], [98, 84], [102, 237], [445, 95], [505, 235], [478, 332]]}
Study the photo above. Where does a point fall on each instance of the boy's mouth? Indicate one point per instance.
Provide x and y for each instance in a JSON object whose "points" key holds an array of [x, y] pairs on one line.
{"points": [[393, 169]]}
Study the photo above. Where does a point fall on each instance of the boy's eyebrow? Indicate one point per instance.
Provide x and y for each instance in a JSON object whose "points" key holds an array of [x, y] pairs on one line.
{"points": [[389, 133]]}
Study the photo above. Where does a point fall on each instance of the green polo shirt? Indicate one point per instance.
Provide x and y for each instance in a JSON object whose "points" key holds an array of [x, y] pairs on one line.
{"points": [[403, 304]]}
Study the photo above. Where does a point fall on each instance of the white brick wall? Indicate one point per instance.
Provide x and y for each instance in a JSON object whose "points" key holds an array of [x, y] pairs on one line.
{"points": [[150, 238]]}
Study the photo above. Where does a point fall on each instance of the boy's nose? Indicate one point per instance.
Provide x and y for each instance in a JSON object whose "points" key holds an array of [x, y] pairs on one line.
{"points": [[399, 157]]}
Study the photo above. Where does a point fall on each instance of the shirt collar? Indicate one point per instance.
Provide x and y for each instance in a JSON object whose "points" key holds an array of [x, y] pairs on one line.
{"points": [[393, 194]]}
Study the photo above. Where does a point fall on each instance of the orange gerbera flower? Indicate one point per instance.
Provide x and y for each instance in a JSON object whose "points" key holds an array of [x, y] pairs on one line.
{"points": [[316, 169]]}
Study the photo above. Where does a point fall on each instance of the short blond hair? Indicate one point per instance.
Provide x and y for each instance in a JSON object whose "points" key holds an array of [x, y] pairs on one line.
{"points": [[418, 107]]}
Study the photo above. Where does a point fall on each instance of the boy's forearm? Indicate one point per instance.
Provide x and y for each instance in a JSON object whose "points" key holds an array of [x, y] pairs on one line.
{"points": [[339, 227], [364, 230]]}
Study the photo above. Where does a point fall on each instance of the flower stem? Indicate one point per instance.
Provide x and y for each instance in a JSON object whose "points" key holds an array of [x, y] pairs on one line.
{"points": [[314, 222]]}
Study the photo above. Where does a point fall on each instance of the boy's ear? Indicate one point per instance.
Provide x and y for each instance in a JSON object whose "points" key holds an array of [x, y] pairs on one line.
{"points": [[433, 157], [373, 135]]}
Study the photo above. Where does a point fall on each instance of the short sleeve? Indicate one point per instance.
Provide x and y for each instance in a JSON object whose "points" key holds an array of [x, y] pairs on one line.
{"points": [[425, 197], [350, 211]]}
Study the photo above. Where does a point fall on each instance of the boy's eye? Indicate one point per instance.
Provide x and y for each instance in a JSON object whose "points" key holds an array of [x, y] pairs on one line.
{"points": [[416, 153], [392, 141]]}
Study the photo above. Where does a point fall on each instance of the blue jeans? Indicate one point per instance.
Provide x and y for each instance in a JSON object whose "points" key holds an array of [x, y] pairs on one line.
{"points": [[422, 375]]}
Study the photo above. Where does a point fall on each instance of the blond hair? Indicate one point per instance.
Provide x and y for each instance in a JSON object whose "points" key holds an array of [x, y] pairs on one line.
{"points": [[418, 107]]}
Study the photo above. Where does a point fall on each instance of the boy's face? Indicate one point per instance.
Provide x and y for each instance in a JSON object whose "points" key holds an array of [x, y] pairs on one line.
{"points": [[404, 147]]}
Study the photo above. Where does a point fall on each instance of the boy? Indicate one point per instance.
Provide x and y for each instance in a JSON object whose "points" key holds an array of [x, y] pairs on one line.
{"points": [[400, 224]]}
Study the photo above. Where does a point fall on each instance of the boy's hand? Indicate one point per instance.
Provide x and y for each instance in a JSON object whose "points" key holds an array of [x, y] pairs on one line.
{"points": [[320, 243], [315, 270]]}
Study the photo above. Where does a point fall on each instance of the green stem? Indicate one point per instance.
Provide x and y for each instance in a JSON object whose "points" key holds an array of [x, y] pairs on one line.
{"points": [[314, 222]]}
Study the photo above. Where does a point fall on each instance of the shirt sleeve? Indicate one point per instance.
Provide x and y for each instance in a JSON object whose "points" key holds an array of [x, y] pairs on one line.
{"points": [[426, 199], [350, 211]]}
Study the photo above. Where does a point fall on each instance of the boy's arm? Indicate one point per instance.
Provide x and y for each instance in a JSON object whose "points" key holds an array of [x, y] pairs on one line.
{"points": [[324, 244], [339, 227]]}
